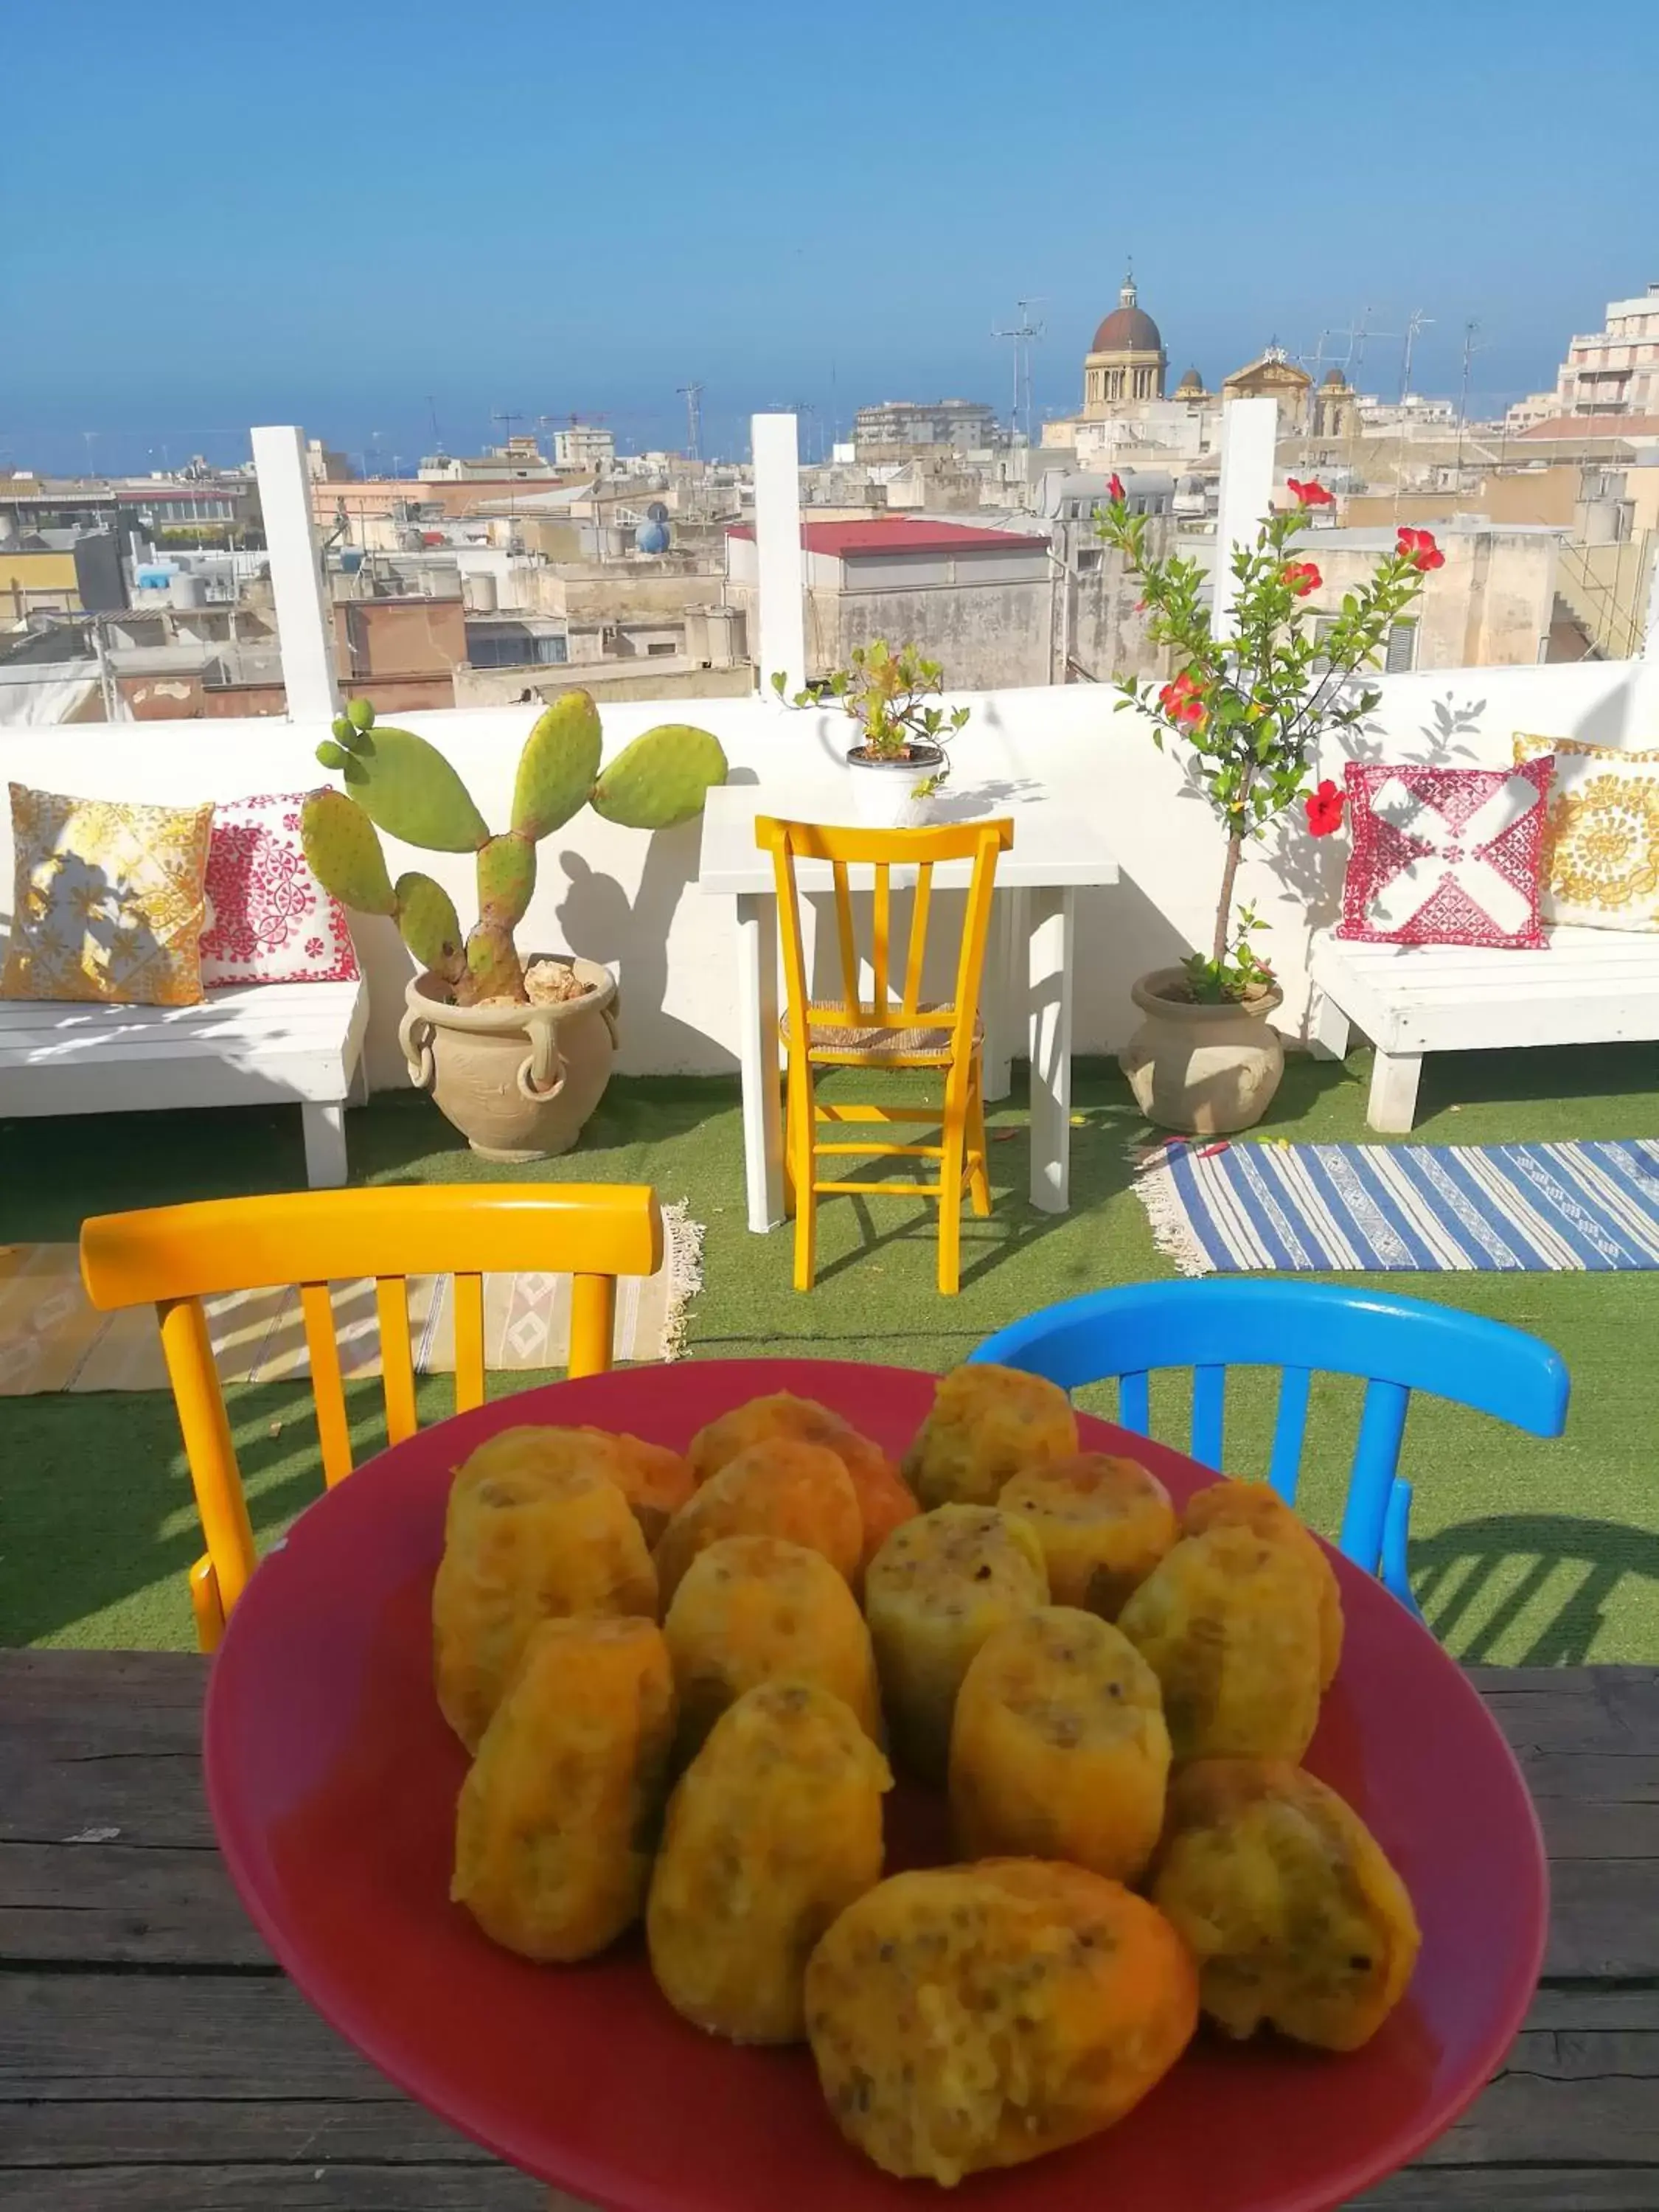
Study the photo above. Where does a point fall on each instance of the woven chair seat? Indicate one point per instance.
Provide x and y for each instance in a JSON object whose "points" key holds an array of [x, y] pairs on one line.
{"points": [[828, 1032]]}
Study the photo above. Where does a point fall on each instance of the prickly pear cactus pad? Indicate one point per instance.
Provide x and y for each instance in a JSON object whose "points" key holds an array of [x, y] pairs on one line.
{"points": [[662, 778]]}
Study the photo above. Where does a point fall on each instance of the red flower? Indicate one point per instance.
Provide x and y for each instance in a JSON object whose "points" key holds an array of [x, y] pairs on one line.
{"points": [[1300, 577], [1308, 495], [1183, 699], [1418, 546], [1114, 486], [1324, 809]]}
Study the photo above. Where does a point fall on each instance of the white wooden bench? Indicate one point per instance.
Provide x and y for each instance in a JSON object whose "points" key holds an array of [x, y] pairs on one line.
{"points": [[248, 1047], [1590, 987]]}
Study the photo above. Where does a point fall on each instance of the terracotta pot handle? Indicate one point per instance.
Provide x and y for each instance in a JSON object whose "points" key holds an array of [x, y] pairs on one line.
{"points": [[417, 1047], [542, 1076]]}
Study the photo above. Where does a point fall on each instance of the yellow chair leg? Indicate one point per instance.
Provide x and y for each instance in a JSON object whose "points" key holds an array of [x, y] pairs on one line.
{"points": [[209, 1615], [950, 1201], [789, 1109], [979, 1179], [801, 1145]]}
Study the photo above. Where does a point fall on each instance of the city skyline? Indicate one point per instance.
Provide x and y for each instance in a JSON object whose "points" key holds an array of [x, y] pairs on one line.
{"points": [[377, 220]]}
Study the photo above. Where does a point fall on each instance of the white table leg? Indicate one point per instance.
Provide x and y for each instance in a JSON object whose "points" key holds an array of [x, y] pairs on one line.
{"points": [[757, 1050], [323, 1128], [1002, 1001], [1392, 1106], [1327, 1029], [1050, 969]]}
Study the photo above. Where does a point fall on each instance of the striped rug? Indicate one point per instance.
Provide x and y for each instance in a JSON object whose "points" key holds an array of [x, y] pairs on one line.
{"points": [[1269, 1206]]}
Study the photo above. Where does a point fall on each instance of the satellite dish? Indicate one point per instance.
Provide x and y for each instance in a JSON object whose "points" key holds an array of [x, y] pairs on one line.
{"points": [[656, 512]]}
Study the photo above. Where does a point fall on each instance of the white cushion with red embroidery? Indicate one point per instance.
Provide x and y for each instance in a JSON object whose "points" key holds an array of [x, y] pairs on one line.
{"points": [[268, 920], [1445, 855]]}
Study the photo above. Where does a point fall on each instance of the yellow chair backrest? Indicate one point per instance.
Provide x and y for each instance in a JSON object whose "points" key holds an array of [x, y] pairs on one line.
{"points": [[174, 1256], [890, 1001]]}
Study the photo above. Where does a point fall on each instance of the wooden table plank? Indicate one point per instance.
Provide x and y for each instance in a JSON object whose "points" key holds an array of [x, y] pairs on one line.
{"points": [[152, 2055]]}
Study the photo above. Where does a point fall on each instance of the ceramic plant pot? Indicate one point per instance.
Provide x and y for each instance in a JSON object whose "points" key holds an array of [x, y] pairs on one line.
{"points": [[884, 792], [1206, 1070], [517, 1082]]}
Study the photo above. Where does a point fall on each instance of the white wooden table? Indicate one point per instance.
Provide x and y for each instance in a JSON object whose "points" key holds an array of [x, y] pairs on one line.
{"points": [[1058, 850]]}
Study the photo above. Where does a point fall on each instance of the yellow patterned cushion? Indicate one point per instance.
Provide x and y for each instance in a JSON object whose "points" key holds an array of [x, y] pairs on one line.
{"points": [[1601, 861], [109, 900]]}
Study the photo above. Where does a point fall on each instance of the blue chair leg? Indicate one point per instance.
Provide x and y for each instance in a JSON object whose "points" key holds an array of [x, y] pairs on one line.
{"points": [[1396, 1530]]}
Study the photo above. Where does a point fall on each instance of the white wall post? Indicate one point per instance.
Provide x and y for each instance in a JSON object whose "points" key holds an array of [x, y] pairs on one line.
{"points": [[778, 561], [305, 631], [1250, 431]]}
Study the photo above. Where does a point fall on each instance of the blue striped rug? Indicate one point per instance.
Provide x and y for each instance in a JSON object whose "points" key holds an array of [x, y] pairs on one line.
{"points": [[1257, 1207]]}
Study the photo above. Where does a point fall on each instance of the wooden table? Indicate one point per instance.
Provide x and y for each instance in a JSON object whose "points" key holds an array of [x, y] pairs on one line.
{"points": [[1058, 850], [153, 2059]]}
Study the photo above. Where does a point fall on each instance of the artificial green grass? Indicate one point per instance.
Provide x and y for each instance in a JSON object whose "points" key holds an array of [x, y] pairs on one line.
{"points": [[1525, 1551]]}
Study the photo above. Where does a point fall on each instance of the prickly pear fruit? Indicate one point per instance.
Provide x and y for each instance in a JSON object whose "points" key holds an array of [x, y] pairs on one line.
{"points": [[360, 714], [507, 877], [556, 768], [662, 778], [333, 756], [412, 792], [342, 729], [344, 852], [430, 925]]}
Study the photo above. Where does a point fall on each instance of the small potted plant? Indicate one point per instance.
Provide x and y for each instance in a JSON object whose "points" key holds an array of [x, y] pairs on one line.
{"points": [[516, 1055], [898, 762], [1252, 707]]}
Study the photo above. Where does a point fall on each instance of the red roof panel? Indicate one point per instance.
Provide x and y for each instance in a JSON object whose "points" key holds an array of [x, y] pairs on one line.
{"points": [[903, 534]]}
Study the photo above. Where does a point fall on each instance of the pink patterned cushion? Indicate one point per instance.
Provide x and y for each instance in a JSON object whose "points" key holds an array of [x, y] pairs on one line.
{"points": [[1445, 855], [268, 920]]}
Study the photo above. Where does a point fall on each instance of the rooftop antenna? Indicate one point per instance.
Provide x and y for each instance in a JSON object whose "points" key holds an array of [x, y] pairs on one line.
{"points": [[1416, 323], [509, 419], [437, 434], [692, 395], [1470, 349], [1025, 334]]}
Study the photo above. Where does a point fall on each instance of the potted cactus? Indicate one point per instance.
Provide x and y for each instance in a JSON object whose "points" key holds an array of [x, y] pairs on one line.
{"points": [[516, 1055]]}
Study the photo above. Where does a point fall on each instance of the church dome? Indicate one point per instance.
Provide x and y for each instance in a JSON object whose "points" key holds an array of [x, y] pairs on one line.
{"points": [[1128, 328], [1191, 382]]}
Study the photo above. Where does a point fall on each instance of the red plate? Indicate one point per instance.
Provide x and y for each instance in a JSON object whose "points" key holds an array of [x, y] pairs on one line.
{"points": [[332, 1781]]}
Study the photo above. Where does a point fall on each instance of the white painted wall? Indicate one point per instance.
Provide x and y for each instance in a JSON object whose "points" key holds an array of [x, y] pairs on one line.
{"points": [[618, 896]]}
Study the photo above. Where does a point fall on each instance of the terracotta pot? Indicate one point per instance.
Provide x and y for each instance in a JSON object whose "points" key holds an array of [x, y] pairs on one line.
{"points": [[1203, 1069], [517, 1082], [885, 791]]}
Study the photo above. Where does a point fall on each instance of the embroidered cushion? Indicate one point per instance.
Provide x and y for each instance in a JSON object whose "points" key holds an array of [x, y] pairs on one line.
{"points": [[269, 919], [1445, 855], [1601, 835], [109, 900]]}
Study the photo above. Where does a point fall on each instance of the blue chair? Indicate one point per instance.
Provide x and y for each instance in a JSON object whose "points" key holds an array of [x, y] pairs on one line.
{"points": [[1396, 1345]]}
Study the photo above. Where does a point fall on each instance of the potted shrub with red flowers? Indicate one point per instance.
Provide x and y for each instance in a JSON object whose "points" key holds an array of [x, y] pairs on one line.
{"points": [[1250, 707]]}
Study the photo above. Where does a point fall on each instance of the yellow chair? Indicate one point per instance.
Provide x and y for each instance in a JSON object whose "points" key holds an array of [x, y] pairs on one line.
{"points": [[177, 1255], [882, 1030]]}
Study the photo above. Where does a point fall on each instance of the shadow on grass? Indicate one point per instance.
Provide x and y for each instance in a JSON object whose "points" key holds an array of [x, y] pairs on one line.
{"points": [[1495, 1569]]}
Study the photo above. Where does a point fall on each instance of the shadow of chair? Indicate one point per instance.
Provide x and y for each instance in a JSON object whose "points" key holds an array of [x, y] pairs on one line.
{"points": [[1506, 1566]]}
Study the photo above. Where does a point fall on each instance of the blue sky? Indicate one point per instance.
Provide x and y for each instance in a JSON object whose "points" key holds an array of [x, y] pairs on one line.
{"points": [[328, 213]]}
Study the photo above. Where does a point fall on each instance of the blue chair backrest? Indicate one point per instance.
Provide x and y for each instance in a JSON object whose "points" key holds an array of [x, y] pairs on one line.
{"points": [[1396, 1345]]}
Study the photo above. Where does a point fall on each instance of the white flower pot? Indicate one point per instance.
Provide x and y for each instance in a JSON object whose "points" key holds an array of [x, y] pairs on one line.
{"points": [[884, 792]]}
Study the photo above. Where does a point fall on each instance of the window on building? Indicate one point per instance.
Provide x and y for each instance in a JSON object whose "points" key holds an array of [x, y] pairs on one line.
{"points": [[659, 647], [1403, 648]]}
